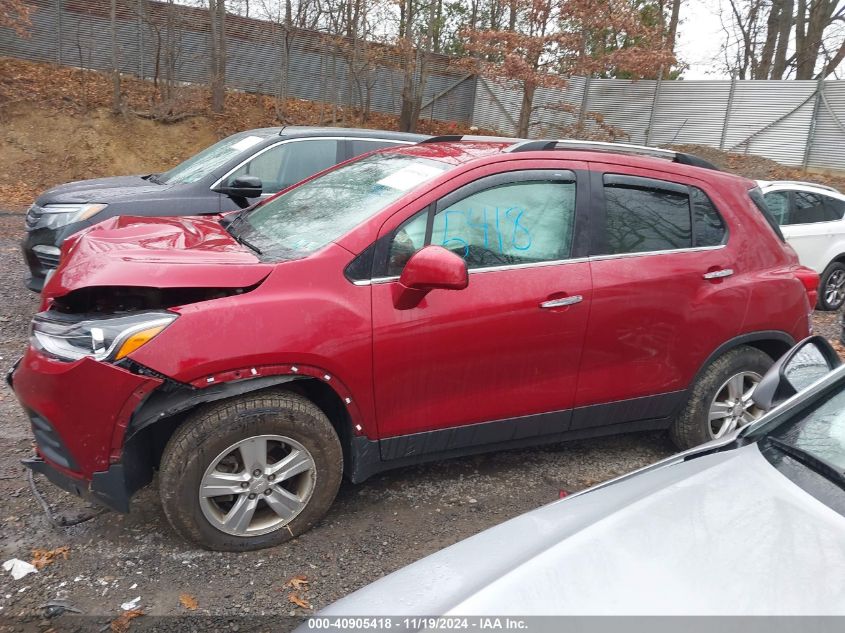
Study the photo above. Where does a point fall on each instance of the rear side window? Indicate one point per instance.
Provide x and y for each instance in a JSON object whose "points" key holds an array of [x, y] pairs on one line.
{"points": [[362, 146], [808, 208], [757, 198], [835, 208], [644, 215], [708, 227], [778, 204], [647, 215]]}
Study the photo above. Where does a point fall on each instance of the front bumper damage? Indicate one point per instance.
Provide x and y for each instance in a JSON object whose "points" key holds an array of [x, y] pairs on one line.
{"points": [[79, 413], [111, 488]]}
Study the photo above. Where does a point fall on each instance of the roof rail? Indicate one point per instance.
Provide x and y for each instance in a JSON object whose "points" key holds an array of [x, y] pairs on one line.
{"points": [[617, 148], [803, 183], [451, 138]]}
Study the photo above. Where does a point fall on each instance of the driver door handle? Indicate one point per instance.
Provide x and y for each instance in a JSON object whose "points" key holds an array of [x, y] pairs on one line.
{"points": [[563, 301], [719, 274]]}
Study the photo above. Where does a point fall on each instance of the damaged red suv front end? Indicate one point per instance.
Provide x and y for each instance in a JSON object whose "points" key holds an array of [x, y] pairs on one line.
{"points": [[76, 380]]}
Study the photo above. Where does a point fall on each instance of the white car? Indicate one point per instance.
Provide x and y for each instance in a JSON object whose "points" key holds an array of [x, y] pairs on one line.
{"points": [[811, 218], [751, 524]]}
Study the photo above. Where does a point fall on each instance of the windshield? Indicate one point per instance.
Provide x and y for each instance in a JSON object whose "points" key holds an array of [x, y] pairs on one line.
{"points": [[319, 211], [211, 158]]}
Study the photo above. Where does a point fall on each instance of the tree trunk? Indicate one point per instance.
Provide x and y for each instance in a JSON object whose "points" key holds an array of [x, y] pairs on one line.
{"points": [[217, 13], [524, 122], [116, 104], [784, 29], [767, 55], [672, 32]]}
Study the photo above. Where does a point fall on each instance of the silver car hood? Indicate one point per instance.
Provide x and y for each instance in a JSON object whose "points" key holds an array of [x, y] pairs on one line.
{"points": [[724, 534]]}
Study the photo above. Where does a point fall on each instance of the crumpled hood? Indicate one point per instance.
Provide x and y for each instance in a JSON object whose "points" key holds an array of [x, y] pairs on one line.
{"points": [[721, 534], [170, 252], [103, 190]]}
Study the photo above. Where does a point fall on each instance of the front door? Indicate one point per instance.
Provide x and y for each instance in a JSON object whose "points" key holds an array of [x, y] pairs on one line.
{"points": [[509, 344]]}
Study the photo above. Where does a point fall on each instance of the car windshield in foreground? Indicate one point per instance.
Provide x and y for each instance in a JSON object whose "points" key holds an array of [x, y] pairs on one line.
{"points": [[319, 211], [211, 158], [818, 435]]}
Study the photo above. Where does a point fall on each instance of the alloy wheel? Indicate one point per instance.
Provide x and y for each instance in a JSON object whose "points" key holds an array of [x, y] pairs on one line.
{"points": [[257, 485], [732, 406], [834, 289]]}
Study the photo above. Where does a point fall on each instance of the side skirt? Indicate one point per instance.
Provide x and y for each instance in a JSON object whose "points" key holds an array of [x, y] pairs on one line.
{"points": [[369, 457]]}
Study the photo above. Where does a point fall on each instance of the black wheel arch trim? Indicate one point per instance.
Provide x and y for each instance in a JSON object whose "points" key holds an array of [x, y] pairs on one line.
{"points": [[763, 336], [174, 398]]}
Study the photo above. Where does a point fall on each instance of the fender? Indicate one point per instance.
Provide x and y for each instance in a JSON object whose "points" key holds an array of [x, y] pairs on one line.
{"points": [[173, 398]]}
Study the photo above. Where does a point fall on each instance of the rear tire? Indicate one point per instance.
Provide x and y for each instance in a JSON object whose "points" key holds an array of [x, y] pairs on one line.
{"points": [[250, 472], [694, 426], [832, 287]]}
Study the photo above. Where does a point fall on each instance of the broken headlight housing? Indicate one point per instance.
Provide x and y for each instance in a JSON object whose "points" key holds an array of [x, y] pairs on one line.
{"points": [[71, 337]]}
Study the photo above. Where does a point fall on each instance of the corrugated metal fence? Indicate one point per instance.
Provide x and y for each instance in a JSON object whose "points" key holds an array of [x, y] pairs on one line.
{"points": [[799, 123], [76, 32]]}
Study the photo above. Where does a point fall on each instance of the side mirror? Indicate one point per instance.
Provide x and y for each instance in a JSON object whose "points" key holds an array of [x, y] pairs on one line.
{"points": [[430, 268], [801, 366], [243, 187]]}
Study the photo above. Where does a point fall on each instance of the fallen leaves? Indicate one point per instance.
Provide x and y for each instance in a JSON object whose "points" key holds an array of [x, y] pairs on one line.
{"points": [[188, 601], [43, 557], [300, 602], [297, 584], [121, 623]]}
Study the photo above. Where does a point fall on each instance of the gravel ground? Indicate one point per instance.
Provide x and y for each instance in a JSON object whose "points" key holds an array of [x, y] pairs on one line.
{"points": [[373, 528]]}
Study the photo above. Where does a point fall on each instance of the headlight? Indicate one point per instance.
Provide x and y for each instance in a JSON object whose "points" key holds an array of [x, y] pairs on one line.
{"points": [[67, 337], [54, 216]]}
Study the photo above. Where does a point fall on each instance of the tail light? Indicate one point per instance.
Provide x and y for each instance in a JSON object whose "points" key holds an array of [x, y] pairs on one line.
{"points": [[810, 279]]}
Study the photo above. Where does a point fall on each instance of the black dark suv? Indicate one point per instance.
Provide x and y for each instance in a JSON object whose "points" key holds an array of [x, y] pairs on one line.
{"points": [[229, 175]]}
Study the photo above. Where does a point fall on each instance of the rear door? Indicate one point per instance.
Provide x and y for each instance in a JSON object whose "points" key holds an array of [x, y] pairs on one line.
{"points": [[508, 345], [811, 228], [665, 293]]}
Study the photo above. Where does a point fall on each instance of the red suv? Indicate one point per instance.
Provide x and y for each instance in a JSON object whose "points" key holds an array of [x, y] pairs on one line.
{"points": [[436, 300]]}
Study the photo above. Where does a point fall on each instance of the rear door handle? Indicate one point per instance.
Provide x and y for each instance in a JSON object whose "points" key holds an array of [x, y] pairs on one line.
{"points": [[719, 274], [563, 301]]}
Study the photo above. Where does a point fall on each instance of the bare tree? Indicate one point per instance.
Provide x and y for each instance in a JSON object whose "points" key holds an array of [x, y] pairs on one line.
{"points": [[775, 39], [217, 18], [116, 103]]}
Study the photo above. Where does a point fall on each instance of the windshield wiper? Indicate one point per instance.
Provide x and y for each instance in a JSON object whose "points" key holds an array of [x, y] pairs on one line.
{"points": [[810, 460], [241, 240], [154, 178]]}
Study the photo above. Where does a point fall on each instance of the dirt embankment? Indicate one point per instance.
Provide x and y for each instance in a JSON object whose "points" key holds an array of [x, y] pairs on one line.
{"points": [[56, 125]]}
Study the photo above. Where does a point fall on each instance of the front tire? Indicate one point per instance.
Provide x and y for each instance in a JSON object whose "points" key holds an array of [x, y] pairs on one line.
{"points": [[250, 472], [832, 287], [720, 400]]}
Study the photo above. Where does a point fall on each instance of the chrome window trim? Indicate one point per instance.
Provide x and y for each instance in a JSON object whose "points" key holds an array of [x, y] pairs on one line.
{"points": [[299, 140], [472, 271], [555, 262], [697, 249]]}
